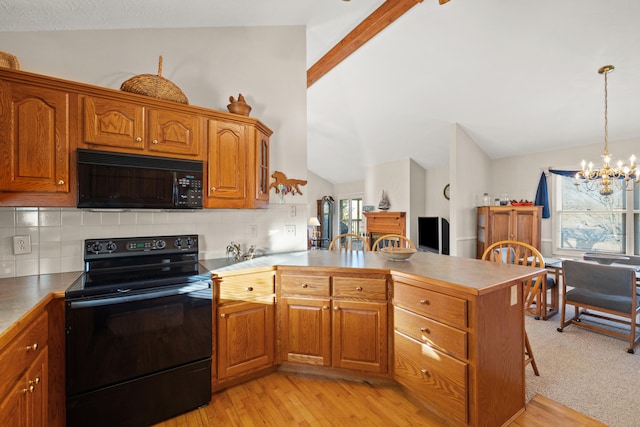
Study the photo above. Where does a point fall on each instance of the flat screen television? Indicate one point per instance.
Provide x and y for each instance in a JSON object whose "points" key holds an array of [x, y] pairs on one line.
{"points": [[433, 234]]}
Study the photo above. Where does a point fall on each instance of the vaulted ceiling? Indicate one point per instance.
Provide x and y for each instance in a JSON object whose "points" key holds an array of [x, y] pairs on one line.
{"points": [[519, 76]]}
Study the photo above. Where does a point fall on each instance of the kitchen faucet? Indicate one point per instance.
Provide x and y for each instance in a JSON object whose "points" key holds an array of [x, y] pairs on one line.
{"points": [[234, 249]]}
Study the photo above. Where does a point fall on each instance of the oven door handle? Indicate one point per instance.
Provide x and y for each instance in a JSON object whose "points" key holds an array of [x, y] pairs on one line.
{"points": [[123, 299]]}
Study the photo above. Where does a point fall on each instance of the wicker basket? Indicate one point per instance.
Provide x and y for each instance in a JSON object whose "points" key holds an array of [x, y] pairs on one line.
{"points": [[155, 86], [8, 60]]}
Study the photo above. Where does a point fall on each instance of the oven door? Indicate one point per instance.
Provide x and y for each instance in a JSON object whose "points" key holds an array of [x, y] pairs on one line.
{"points": [[112, 339]]}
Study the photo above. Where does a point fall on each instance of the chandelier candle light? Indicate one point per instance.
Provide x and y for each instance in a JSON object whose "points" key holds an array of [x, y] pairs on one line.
{"points": [[607, 177]]}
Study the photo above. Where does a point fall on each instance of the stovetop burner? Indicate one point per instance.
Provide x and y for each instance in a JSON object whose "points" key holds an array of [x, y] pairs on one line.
{"points": [[119, 265]]}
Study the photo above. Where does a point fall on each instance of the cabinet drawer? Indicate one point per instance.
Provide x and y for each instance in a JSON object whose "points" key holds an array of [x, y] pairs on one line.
{"points": [[450, 340], [22, 351], [304, 285], [355, 287], [447, 309], [437, 379], [247, 287]]}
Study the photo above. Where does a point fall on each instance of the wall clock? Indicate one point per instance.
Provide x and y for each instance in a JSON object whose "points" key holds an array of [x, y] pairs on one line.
{"points": [[447, 191]]}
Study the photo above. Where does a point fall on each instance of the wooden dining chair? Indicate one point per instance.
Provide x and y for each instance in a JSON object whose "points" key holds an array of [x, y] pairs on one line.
{"points": [[520, 253], [392, 241], [348, 242]]}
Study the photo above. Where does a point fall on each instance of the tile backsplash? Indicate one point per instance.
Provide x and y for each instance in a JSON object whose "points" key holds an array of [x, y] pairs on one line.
{"points": [[57, 235]]}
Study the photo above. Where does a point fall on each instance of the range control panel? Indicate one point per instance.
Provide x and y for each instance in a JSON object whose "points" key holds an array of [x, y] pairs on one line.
{"points": [[104, 248]]}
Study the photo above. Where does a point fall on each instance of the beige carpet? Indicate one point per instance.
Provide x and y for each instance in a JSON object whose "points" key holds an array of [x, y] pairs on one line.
{"points": [[586, 371]]}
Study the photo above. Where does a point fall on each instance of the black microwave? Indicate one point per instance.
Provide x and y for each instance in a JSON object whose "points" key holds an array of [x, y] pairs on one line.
{"points": [[122, 181]]}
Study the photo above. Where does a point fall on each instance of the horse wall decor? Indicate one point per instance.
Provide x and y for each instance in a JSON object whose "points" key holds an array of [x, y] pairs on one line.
{"points": [[285, 185]]}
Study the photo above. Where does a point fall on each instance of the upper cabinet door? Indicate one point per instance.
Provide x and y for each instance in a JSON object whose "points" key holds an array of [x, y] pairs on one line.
{"points": [[172, 132], [112, 123], [34, 139], [227, 161], [262, 180]]}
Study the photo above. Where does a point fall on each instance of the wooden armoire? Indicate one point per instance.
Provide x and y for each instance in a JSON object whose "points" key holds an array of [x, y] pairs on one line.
{"points": [[495, 223]]}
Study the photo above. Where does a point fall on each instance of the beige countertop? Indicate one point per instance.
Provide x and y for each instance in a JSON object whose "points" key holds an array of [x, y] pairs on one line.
{"points": [[468, 275], [18, 295]]}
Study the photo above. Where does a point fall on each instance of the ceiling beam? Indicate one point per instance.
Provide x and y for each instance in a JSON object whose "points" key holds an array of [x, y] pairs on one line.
{"points": [[382, 17]]}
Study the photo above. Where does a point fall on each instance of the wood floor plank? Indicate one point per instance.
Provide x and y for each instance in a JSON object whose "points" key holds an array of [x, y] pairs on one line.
{"points": [[288, 399]]}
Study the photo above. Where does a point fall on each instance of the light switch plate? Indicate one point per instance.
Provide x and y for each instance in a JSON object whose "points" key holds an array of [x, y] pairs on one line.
{"points": [[290, 230]]}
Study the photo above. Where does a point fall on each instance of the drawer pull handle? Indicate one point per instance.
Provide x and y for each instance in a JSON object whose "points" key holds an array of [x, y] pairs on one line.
{"points": [[336, 308], [223, 315], [33, 347], [425, 372], [250, 288], [304, 285], [425, 330], [424, 302], [138, 139], [325, 307], [359, 289]]}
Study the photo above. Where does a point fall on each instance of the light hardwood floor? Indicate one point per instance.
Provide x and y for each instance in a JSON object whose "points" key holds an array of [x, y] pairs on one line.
{"points": [[286, 399]]}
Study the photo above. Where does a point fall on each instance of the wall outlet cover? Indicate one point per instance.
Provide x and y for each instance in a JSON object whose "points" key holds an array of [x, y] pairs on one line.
{"points": [[290, 230], [21, 245]]}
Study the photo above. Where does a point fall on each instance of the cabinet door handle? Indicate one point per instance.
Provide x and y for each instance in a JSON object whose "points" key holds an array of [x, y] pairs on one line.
{"points": [[336, 308], [304, 285], [61, 182], [359, 289], [425, 330], [138, 139], [223, 315], [425, 372], [29, 390], [424, 302], [325, 307], [32, 347], [155, 141], [213, 188]]}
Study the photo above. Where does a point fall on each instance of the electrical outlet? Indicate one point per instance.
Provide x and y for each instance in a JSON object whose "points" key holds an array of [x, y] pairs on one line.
{"points": [[21, 245], [290, 230], [292, 211]]}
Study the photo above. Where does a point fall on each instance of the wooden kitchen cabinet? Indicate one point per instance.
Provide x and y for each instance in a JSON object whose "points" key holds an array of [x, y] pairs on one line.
{"points": [[334, 319], [461, 355], [495, 223], [35, 146], [24, 377], [121, 126], [245, 325], [237, 165]]}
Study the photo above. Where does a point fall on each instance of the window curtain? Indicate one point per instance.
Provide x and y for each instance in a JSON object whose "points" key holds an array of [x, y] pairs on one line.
{"points": [[542, 196]]}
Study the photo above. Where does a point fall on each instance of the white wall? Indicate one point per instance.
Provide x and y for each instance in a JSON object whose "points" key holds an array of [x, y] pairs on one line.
{"points": [[417, 197], [470, 169], [266, 64]]}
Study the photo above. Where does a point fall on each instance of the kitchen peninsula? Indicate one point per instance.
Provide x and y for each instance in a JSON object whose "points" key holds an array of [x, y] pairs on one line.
{"points": [[453, 327]]}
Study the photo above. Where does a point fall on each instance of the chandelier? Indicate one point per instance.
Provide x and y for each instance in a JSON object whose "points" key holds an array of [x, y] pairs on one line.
{"points": [[607, 178]]}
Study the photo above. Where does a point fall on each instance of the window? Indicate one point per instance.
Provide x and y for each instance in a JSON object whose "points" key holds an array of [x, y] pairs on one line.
{"points": [[590, 222], [351, 216]]}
